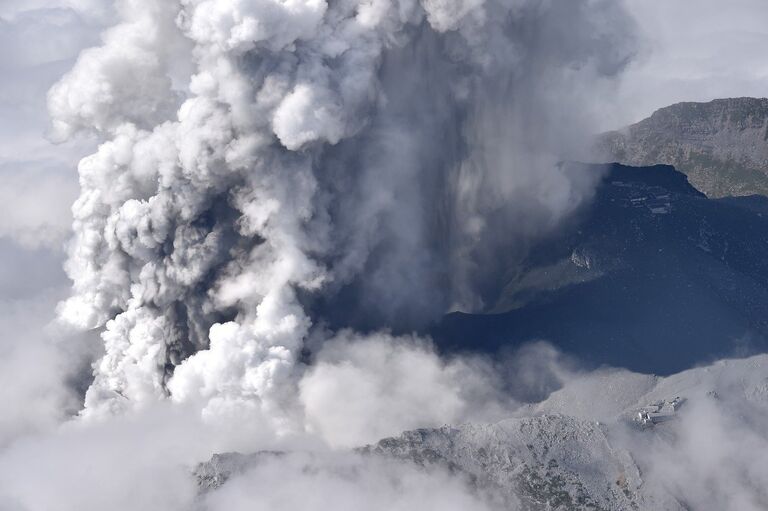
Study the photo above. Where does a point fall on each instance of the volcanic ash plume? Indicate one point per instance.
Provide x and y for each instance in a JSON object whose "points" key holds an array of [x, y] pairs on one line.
{"points": [[273, 170]]}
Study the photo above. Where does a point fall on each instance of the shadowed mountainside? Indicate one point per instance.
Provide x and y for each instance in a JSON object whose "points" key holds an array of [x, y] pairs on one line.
{"points": [[652, 276]]}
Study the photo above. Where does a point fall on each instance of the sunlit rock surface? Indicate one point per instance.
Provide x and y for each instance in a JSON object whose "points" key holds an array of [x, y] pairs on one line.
{"points": [[722, 145]]}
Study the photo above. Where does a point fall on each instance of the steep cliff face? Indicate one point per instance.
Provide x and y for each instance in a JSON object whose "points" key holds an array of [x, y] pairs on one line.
{"points": [[722, 145]]}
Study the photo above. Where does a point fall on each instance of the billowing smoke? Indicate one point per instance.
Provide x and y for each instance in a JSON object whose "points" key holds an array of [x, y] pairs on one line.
{"points": [[274, 171], [359, 391], [286, 190]]}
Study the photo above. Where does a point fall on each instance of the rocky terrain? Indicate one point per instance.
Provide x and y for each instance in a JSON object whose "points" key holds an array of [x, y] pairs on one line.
{"points": [[722, 146], [581, 448], [543, 462]]}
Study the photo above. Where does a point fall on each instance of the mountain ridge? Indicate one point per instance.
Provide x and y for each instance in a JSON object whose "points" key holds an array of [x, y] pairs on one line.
{"points": [[722, 145]]}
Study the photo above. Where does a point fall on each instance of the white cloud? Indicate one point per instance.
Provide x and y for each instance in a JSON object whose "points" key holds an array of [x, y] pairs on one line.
{"points": [[38, 181], [35, 204], [38, 367], [344, 483], [361, 389], [695, 50]]}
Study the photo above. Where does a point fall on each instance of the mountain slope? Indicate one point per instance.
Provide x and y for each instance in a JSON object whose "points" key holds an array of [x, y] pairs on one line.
{"points": [[544, 462], [651, 276], [722, 145], [556, 456], [580, 449]]}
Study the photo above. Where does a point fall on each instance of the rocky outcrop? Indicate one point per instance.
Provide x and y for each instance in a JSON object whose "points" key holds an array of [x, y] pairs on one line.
{"points": [[582, 448], [722, 145], [547, 462], [213, 473]]}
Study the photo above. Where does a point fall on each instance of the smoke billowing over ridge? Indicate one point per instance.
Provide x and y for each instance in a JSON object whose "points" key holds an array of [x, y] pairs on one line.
{"points": [[270, 169], [284, 191]]}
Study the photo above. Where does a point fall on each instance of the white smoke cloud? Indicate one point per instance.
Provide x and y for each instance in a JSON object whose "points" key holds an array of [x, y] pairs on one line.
{"points": [[268, 170], [361, 390], [127, 79], [303, 117], [144, 462], [710, 458], [344, 482], [214, 214], [716, 462], [127, 464]]}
